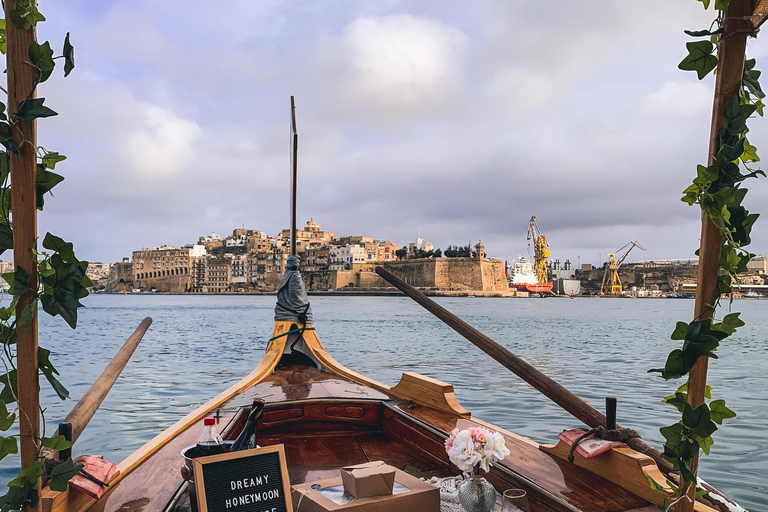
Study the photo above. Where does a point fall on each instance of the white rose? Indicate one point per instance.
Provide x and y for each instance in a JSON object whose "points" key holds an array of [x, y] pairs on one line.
{"points": [[463, 453], [495, 447]]}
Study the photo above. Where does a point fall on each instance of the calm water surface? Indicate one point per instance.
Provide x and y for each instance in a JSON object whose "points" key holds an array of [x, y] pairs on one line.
{"points": [[200, 345]]}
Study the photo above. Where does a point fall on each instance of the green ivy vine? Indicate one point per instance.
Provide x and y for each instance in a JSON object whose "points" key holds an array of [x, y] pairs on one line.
{"points": [[61, 280], [718, 190]]}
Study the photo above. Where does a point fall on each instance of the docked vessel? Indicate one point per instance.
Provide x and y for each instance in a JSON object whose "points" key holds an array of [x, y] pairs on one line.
{"points": [[522, 277]]}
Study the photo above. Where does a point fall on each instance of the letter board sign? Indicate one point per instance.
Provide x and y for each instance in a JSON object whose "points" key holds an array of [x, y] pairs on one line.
{"points": [[246, 481]]}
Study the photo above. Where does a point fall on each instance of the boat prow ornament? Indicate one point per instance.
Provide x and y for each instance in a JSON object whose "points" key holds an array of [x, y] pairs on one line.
{"points": [[293, 306]]}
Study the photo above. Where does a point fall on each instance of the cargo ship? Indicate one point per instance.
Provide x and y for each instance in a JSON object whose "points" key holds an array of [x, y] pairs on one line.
{"points": [[522, 277]]}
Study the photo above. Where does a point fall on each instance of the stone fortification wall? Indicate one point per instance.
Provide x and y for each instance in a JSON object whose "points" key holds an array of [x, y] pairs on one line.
{"points": [[170, 284], [445, 273]]}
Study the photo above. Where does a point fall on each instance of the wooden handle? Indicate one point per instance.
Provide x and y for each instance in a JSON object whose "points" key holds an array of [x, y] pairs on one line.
{"points": [[84, 410], [554, 391]]}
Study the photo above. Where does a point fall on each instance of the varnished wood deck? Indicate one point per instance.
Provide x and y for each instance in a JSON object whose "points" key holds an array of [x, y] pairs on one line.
{"points": [[326, 421]]}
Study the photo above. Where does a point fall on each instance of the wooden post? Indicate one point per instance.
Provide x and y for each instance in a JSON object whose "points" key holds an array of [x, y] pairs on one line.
{"points": [[21, 85], [729, 73]]}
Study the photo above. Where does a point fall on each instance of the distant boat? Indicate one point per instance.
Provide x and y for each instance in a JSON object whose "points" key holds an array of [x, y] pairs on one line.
{"points": [[523, 278]]}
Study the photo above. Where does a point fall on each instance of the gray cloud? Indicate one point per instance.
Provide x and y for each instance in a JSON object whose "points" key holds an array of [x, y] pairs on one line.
{"points": [[463, 118]]}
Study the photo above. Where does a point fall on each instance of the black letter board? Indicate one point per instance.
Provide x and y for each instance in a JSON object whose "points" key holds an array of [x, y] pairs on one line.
{"points": [[246, 481]]}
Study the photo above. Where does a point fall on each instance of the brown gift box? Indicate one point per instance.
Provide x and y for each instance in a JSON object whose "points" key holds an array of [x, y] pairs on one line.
{"points": [[368, 479], [409, 494]]}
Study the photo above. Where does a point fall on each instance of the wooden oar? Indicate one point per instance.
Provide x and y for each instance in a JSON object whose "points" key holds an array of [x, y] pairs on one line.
{"points": [[84, 410], [580, 409]]}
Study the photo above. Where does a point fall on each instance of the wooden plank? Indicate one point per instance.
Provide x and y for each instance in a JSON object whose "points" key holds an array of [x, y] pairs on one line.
{"points": [[430, 392], [759, 15], [21, 86], [624, 467]]}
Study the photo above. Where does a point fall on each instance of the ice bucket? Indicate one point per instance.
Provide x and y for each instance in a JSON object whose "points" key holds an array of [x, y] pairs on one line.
{"points": [[189, 454]]}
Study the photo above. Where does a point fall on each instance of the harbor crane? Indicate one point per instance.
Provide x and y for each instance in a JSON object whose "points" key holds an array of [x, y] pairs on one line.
{"points": [[612, 285], [540, 251]]}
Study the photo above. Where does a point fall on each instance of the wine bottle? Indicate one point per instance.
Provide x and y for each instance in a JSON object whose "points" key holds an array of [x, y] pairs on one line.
{"points": [[247, 438]]}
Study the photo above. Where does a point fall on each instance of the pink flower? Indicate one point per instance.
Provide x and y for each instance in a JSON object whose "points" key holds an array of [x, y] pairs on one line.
{"points": [[449, 441], [478, 434]]}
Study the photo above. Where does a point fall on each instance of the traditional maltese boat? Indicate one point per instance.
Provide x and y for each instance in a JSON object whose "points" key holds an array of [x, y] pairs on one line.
{"points": [[327, 416]]}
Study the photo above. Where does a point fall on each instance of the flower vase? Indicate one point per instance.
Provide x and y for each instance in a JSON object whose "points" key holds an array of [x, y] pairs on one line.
{"points": [[476, 494]]}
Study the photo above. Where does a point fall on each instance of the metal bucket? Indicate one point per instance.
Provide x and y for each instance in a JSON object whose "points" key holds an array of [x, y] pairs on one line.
{"points": [[189, 454]]}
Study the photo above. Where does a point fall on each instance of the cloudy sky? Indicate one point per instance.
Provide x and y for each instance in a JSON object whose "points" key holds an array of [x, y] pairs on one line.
{"points": [[460, 118]]}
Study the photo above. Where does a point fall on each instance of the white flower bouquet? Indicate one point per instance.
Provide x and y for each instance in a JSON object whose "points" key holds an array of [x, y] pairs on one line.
{"points": [[473, 449]]}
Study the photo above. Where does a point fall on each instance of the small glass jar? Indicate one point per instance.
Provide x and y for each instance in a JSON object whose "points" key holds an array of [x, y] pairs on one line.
{"points": [[476, 494]]}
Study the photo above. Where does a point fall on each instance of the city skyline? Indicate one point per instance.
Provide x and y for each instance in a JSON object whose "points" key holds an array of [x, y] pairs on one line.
{"points": [[465, 119]]}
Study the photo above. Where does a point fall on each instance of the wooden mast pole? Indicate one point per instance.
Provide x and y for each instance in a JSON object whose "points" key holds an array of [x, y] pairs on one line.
{"points": [[729, 74], [21, 86], [294, 175]]}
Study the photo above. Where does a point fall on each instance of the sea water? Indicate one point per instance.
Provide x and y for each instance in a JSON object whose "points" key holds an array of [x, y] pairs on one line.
{"points": [[200, 345]]}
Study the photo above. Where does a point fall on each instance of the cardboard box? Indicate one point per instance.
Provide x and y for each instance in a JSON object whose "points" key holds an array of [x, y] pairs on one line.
{"points": [[369, 479], [409, 494]]}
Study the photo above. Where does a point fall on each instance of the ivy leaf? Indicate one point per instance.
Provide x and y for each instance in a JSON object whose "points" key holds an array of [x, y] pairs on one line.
{"points": [[69, 57], [51, 158], [2, 37], [750, 154], [58, 245], [699, 58], [719, 412], [62, 473], [27, 314], [730, 323], [705, 443], [8, 445], [679, 332], [691, 194], [19, 281], [6, 419], [736, 115], [678, 441], [706, 32], [41, 56], [34, 108], [46, 367], [56, 443], [698, 420], [705, 2], [46, 180], [11, 387], [6, 238], [678, 364], [25, 15], [741, 222], [759, 106], [655, 485], [722, 5], [678, 400]]}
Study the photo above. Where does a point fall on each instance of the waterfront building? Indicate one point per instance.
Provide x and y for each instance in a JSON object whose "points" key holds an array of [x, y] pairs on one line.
{"points": [[239, 269], [315, 257], [120, 276], [164, 268], [217, 273], [342, 257]]}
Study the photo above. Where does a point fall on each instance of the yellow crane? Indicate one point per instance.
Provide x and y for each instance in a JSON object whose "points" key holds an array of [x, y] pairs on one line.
{"points": [[540, 251], [612, 285]]}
